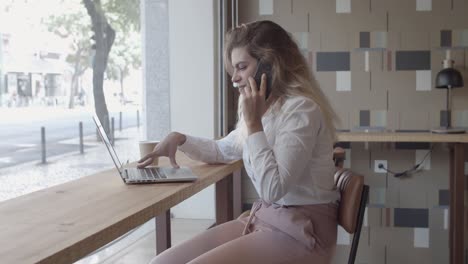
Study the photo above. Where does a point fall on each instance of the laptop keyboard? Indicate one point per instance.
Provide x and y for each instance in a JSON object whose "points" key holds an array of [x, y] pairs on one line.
{"points": [[151, 174], [145, 174]]}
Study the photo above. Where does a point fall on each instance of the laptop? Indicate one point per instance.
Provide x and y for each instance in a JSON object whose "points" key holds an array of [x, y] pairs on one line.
{"points": [[146, 175]]}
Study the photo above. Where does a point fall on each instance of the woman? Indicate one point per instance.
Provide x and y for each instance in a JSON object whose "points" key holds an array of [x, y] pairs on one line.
{"points": [[286, 143]]}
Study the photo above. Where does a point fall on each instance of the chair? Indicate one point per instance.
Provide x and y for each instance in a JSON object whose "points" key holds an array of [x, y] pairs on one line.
{"points": [[339, 155], [354, 194]]}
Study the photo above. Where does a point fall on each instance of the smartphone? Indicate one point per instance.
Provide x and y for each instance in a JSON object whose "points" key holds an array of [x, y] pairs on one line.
{"points": [[263, 68]]}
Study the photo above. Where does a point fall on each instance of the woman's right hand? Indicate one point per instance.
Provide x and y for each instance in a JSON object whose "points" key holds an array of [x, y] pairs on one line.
{"points": [[166, 148]]}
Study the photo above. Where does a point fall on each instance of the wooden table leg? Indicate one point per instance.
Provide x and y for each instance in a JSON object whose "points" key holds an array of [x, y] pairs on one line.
{"points": [[163, 232], [224, 199], [457, 203], [452, 201]]}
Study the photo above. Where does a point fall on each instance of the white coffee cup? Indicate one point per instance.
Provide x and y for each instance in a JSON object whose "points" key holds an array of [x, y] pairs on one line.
{"points": [[146, 147]]}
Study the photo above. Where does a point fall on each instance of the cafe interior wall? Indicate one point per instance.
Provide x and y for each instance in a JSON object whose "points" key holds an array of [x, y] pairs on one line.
{"points": [[376, 61]]}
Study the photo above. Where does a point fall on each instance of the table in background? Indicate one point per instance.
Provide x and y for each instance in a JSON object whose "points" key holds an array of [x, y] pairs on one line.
{"points": [[457, 143]]}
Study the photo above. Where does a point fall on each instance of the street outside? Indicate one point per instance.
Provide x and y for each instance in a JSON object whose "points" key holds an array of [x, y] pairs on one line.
{"points": [[21, 168]]}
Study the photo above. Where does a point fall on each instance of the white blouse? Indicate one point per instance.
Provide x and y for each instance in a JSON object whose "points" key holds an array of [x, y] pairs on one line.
{"points": [[289, 163]]}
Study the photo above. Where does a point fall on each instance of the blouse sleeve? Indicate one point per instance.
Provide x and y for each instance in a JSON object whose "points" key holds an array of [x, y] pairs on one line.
{"points": [[212, 151]]}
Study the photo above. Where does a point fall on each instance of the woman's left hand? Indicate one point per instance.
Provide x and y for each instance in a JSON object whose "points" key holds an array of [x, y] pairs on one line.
{"points": [[254, 104]]}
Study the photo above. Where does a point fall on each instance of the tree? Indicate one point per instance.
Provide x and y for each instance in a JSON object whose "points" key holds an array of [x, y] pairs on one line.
{"points": [[122, 13], [74, 27], [107, 22], [104, 36], [126, 53], [124, 56]]}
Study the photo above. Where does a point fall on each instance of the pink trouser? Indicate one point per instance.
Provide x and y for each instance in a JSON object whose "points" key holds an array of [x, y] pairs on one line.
{"points": [[271, 234]]}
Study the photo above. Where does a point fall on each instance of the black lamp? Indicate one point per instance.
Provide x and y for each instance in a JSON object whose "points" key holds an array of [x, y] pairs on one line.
{"points": [[448, 78]]}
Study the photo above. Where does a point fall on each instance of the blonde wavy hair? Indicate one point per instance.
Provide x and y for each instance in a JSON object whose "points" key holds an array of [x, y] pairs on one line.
{"points": [[290, 72]]}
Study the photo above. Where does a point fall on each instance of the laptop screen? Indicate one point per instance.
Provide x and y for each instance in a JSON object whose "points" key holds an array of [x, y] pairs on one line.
{"points": [[106, 140]]}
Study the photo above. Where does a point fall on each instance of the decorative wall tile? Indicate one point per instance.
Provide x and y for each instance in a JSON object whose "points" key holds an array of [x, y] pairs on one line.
{"points": [[310, 60], [265, 7], [302, 39], [335, 41], [291, 23], [442, 6], [333, 61], [415, 40], [464, 38], [446, 218], [389, 60], [413, 60], [436, 217], [365, 221], [420, 155], [343, 81], [378, 118], [445, 116], [341, 254], [416, 119], [366, 61], [460, 37], [305, 54], [432, 192], [379, 39], [314, 42], [406, 217], [344, 116], [445, 38], [423, 5], [439, 240], [444, 197], [376, 180], [343, 6], [460, 118], [364, 118], [282, 8], [387, 217], [248, 11], [364, 39], [373, 216], [347, 161], [343, 237], [357, 59], [408, 197], [424, 80], [421, 237], [439, 173], [377, 61], [377, 196]]}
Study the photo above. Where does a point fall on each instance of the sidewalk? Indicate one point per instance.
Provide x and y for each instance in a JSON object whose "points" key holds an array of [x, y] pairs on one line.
{"points": [[29, 177]]}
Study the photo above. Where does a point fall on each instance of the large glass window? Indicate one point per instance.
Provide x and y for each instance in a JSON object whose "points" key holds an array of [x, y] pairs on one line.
{"points": [[49, 56], [49, 51]]}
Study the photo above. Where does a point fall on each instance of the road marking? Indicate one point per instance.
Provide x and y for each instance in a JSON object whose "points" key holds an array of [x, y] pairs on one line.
{"points": [[6, 160], [25, 145]]}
